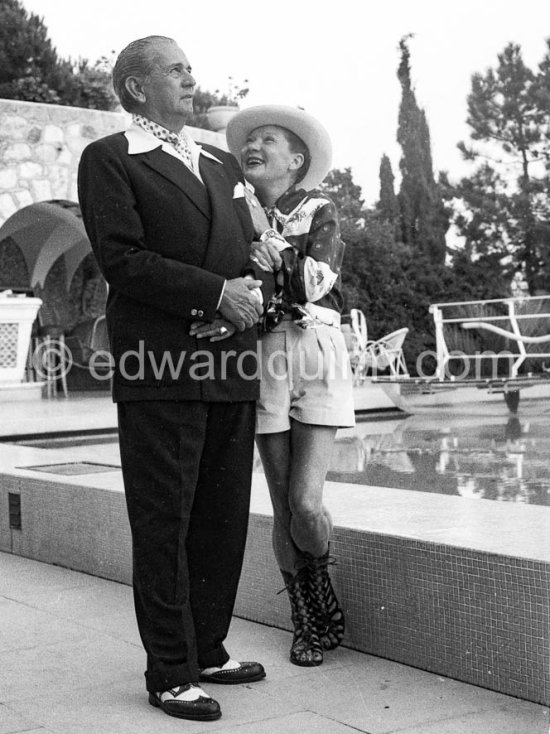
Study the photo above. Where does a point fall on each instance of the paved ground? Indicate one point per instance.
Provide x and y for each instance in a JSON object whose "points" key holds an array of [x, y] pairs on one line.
{"points": [[71, 663]]}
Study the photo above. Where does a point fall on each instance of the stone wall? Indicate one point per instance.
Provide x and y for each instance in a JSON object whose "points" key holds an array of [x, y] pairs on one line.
{"points": [[40, 147]]}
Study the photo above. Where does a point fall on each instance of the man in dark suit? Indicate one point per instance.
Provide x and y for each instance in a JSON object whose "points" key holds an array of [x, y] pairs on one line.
{"points": [[171, 231]]}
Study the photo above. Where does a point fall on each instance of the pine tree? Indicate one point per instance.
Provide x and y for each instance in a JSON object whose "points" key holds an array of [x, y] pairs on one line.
{"points": [[28, 61], [31, 70], [506, 200], [423, 214]]}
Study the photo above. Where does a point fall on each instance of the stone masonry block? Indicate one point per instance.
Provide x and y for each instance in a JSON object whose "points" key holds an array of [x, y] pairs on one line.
{"points": [[23, 198], [34, 135], [65, 158], [8, 178], [53, 134], [41, 190], [73, 190], [59, 180], [76, 145], [46, 153], [17, 152], [7, 206], [74, 130], [14, 127], [29, 170]]}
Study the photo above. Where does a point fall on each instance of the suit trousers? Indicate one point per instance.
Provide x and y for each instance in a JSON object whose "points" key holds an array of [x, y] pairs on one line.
{"points": [[187, 468]]}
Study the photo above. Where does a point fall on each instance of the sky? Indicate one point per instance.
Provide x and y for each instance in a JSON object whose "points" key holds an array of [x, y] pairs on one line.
{"points": [[338, 59]]}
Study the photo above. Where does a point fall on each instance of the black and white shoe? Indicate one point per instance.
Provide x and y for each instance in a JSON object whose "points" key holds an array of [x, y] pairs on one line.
{"points": [[186, 702], [233, 672]]}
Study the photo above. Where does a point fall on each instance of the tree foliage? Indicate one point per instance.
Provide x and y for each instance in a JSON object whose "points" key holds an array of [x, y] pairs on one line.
{"points": [[383, 277], [203, 100], [424, 218], [388, 206], [504, 204], [31, 70], [397, 262], [26, 52], [347, 196], [89, 85]]}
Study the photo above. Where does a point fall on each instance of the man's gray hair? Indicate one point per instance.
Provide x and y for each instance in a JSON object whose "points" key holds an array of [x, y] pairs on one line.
{"points": [[138, 60]]}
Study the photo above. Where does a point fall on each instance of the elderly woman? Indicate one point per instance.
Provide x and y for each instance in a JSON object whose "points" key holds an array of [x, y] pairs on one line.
{"points": [[305, 392], [306, 380]]}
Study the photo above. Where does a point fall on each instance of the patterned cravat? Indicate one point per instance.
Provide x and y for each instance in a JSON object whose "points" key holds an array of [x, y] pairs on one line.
{"points": [[177, 140], [276, 218]]}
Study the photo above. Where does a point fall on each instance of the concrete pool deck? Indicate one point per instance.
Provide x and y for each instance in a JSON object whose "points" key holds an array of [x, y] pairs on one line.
{"points": [[452, 585], [79, 412], [72, 663]]}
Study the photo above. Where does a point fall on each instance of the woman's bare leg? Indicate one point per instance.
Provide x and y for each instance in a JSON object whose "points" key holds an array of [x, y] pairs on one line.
{"points": [[274, 449], [310, 523], [295, 465]]}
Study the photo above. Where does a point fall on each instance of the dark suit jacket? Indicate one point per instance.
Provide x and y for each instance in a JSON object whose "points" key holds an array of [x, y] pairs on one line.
{"points": [[165, 244]]}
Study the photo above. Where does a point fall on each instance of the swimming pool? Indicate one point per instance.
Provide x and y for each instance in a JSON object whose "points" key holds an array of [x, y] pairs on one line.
{"points": [[494, 457]]}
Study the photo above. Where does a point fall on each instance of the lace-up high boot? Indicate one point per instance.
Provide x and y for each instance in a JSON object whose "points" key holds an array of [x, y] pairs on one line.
{"points": [[306, 649], [330, 622]]}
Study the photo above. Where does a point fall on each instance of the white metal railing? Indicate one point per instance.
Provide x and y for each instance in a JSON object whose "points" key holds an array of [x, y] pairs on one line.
{"points": [[486, 322]]}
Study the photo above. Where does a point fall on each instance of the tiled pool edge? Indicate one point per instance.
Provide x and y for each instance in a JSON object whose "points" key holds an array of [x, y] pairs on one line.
{"points": [[471, 615], [468, 615]]}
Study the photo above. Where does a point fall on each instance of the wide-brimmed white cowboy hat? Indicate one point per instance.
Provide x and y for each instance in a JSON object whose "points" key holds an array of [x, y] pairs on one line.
{"points": [[294, 119]]}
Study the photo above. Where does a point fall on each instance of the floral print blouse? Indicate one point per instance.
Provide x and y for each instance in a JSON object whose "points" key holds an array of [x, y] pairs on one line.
{"points": [[310, 246]]}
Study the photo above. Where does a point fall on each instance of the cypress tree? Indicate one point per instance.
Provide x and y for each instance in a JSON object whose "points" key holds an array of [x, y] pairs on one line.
{"points": [[422, 212], [387, 206]]}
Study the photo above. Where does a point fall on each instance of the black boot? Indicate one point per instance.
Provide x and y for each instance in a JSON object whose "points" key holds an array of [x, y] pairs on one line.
{"points": [[329, 616], [306, 648]]}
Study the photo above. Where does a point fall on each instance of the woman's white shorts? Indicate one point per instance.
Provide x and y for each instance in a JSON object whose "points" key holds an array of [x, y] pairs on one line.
{"points": [[305, 375]]}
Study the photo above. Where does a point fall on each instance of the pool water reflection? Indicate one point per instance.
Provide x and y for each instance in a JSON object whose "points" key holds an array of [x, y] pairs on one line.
{"points": [[497, 458]]}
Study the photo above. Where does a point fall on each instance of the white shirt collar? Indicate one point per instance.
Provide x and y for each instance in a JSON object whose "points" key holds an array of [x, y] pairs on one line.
{"points": [[141, 141]]}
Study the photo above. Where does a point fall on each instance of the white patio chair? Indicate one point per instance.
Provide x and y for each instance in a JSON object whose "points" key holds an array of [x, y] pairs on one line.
{"points": [[359, 328], [385, 354], [355, 335]]}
